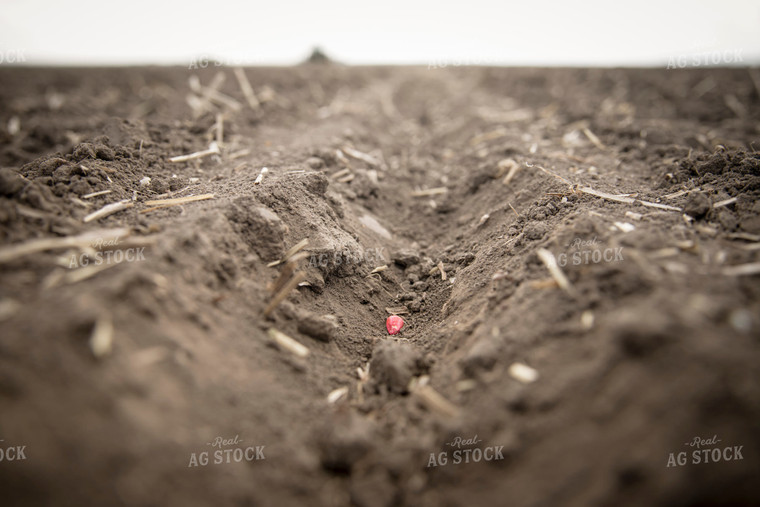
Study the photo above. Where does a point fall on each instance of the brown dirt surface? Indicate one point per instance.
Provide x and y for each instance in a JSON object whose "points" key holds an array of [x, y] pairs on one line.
{"points": [[122, 362]]}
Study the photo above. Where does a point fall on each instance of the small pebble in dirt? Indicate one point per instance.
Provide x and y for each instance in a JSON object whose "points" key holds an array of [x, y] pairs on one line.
{"points": [[393, 324]]}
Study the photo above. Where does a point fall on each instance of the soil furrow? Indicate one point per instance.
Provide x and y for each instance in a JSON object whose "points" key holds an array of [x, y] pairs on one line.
{"points": [[450, 181]]}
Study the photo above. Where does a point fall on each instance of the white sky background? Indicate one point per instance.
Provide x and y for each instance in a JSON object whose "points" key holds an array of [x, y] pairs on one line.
{"points": [[543, 32]]}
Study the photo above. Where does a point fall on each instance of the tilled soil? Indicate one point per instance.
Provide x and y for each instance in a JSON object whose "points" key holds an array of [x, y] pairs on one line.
{"points": [[439, 195]]}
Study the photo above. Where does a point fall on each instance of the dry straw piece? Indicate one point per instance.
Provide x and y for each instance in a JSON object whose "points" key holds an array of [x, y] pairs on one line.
{"points": [[166, 203], [260, 177], [287, 343], [213, 149], [727, 202], [219, 129], [8, 308], [430, 191], [489, 136], [339, 174], [108, 209], [285, 273], [752, 268], [212, 94], [592, 137], [682, 192], [511, 166], [624, 226], [523, 373], [283, 293], [287, 270], [626, 199], [174, 192], [101, 339], [587, 320], [342, 158], [290, 253], [82, 274], [551, 264], [358, 155], [337, 394], [246, 88], [240, 153], [84, 240], [363, 374], [96, 194], [435, 402], [443, 271], [746, 236]]}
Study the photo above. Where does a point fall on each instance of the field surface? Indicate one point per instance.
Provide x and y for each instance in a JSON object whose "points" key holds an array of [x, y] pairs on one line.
{"points": [[574, 254]]}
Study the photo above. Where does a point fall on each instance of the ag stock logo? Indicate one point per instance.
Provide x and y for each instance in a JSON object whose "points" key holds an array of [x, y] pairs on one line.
{"points": [[703, 451]]}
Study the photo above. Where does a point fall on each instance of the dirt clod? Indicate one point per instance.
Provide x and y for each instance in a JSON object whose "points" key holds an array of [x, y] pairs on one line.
{"points": [[406, 258], [344, 440], [260, 227], [320, 327], [10, 182], [394, 364], [697, 205]]}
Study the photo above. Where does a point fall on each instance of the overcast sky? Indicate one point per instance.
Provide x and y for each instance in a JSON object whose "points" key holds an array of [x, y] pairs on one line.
{"points": [[528, 32]]}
